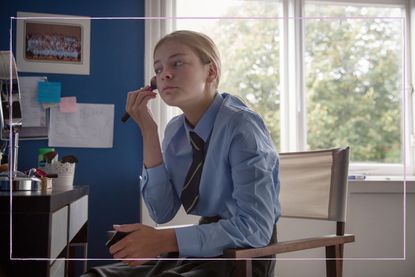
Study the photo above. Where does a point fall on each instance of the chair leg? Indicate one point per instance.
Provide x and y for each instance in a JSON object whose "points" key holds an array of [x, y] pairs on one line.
{"points": [[243, 268], [334, 262], [85, 263]]}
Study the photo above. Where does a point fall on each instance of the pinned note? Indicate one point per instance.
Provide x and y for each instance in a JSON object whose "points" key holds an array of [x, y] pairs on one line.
{"points": [[67, 105], [91, 126], [49, 92], [32, 112]]}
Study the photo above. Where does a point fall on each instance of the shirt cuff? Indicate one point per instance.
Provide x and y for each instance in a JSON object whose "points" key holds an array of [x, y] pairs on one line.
{"points": [[153, 175], [188, 241]]}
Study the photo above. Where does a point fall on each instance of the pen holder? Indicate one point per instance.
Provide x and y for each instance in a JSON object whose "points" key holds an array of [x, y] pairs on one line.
{"points": [[65, 172]]}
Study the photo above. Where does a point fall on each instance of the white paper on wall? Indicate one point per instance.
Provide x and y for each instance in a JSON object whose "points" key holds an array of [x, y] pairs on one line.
{"points": [[33, 114], [91, 126]]}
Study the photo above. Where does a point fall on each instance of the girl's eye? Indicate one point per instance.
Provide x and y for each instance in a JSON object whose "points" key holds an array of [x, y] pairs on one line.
{"points": [[178, 63], [157, 70]]}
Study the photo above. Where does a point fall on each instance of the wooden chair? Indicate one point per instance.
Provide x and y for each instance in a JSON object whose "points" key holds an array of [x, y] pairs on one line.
{"points": [[313, 185]]}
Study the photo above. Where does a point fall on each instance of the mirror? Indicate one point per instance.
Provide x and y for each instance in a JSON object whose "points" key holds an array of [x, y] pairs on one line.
{"points": [[10, 93], [11, 123]]}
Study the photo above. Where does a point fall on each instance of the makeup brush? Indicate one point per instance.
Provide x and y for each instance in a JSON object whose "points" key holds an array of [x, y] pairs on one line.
{"points": [[153, 86]]}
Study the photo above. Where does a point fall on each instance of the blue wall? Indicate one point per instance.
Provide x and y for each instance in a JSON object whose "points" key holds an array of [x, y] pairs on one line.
{"points": [[116, 67]]}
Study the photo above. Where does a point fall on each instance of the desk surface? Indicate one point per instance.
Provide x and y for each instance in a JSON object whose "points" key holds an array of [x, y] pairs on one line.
{"points": [[40, 201]]}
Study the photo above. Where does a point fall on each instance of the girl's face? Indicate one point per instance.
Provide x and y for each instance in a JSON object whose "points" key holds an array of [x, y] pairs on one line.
{"points": [[182, 79]]}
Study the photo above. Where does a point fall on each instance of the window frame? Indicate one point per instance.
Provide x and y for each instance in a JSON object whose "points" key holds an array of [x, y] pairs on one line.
{"points": [[293, 105]]}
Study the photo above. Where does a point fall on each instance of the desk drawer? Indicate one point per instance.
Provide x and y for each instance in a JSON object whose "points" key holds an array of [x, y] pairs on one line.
{"points": [[58, 231], [78, 215]]}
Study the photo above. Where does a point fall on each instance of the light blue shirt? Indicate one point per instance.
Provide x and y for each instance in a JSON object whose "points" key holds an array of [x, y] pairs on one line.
{"points": [[239, 181]]}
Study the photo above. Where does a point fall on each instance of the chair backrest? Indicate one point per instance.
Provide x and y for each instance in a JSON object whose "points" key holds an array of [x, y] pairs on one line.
{"points": [[314, 184]]}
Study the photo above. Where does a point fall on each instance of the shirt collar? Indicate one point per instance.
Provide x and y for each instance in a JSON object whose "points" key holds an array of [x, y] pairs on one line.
{"points": [[205, 125]]}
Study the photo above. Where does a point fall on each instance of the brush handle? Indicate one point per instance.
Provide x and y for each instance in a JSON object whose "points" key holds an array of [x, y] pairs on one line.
{"points": [[153, 86]]}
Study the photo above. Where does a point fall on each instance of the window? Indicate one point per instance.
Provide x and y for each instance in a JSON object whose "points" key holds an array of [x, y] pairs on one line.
{"points": [[321, 74], [354, 81], [247, 36]]}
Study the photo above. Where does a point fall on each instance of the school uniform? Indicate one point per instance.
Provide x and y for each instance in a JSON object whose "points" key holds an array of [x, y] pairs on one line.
{"points": [[239, 187]]}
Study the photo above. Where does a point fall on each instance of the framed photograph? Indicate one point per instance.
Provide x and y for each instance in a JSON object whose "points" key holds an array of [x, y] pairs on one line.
{"points": [[51, 43]]}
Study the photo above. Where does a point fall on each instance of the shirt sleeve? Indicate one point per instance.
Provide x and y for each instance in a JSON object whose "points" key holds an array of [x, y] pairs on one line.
{"points": [[254, 169], [158, 193]]}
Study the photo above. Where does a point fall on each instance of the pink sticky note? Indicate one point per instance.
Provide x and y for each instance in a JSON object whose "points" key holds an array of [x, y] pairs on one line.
{"points": [[67, 105]]}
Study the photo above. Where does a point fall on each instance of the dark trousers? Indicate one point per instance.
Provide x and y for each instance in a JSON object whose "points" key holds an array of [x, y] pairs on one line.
{"points": [[185, 267], [182, 267]]}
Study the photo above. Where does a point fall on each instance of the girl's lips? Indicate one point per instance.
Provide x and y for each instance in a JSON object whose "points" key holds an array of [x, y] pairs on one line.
{"points": [[168, 88]]}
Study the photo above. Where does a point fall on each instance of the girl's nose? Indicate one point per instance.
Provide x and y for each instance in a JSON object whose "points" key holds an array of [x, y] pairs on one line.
{"points": [[166, 74]]}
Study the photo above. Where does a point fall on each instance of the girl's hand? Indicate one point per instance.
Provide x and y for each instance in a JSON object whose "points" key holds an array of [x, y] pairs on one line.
{"points": [[143, 242], [136, 107]]}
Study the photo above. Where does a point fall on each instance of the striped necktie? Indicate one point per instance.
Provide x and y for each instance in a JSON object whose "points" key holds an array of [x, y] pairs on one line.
{"points": [[190, 191]]}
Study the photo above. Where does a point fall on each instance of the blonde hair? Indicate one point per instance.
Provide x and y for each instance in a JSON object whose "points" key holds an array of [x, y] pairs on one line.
{"points": [[202, 45]]}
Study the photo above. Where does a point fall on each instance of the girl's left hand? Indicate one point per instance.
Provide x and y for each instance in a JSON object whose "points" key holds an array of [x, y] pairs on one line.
{"points": [[143, 243]]}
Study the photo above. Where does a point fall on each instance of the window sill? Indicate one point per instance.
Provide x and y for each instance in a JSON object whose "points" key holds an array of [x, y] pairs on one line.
{"points": [[383, 184], [388, 178]]}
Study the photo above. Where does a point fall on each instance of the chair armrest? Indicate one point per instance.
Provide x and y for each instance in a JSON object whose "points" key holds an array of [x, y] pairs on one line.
{"points": [[289, 246], [173, 226]]}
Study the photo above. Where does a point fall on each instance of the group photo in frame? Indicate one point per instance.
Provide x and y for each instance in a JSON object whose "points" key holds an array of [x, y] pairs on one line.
{"points": [[51, 43]]}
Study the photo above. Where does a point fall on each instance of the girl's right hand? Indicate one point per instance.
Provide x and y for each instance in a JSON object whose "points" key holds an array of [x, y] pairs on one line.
{"points": [[137, 108]]}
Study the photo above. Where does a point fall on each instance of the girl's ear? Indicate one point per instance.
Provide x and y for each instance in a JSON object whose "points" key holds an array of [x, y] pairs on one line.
{"points": [[212, 73]]}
